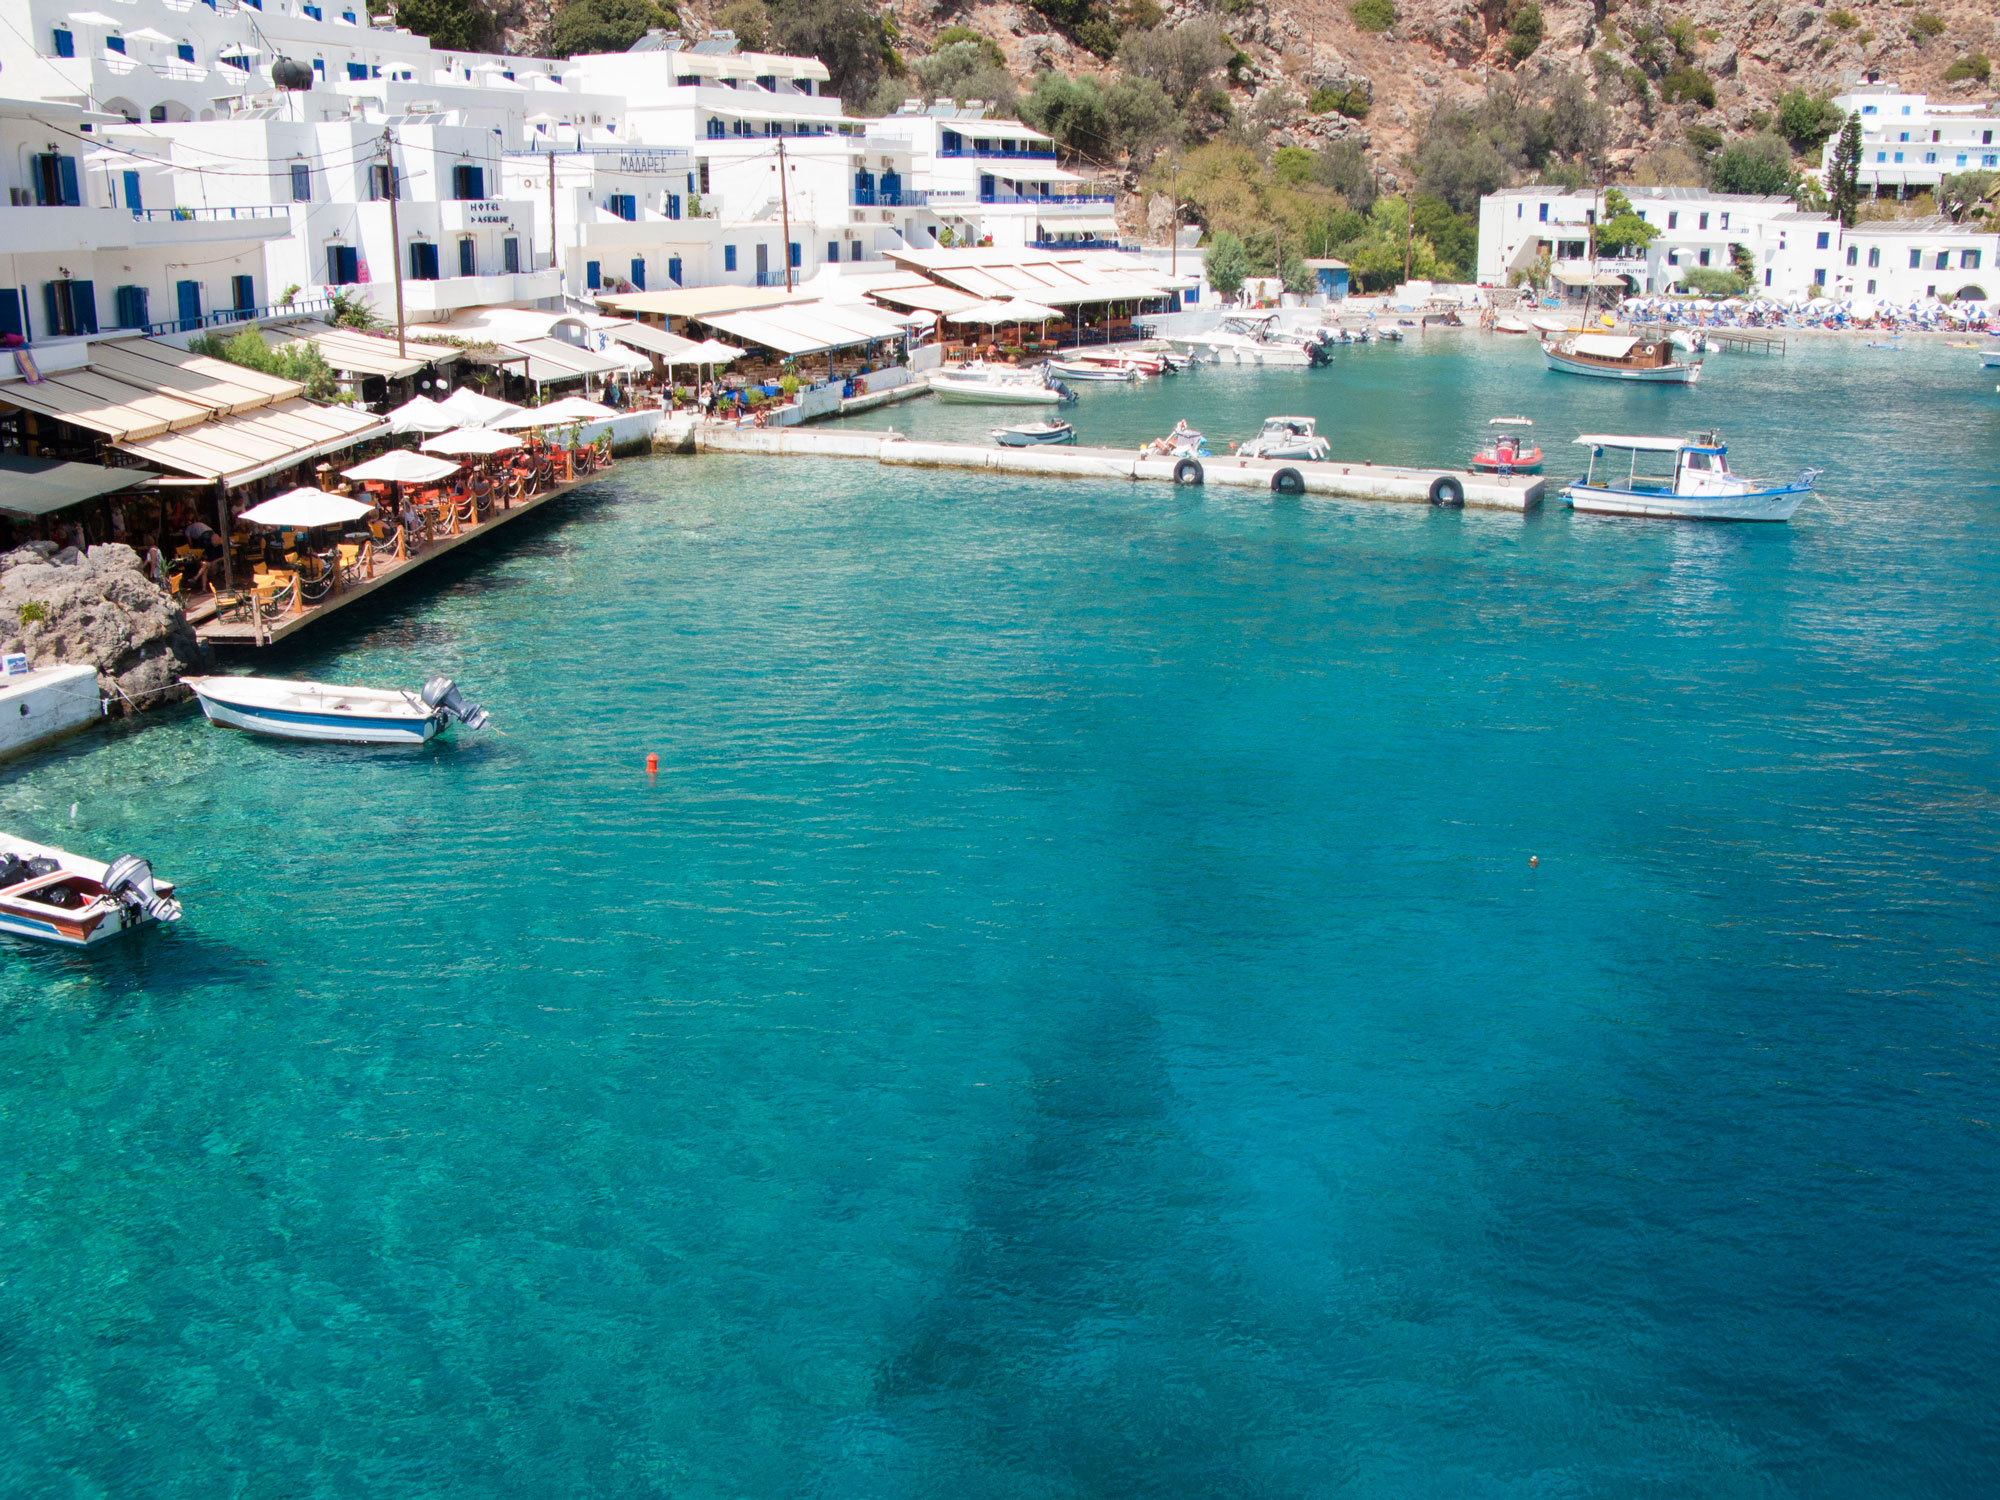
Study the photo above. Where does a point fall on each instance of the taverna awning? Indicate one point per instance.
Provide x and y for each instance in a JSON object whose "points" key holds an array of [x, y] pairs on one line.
{"points": [[354, 353], [551, 360], [671, 347], [1012, 310], [815, 329], [253, 444], [39, 486]]}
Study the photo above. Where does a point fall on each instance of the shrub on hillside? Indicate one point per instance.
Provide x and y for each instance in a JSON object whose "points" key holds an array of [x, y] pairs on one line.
{"points": [[1842, 20], [1926, 24], [454, 24], [1352, 101], [1373, 15], [602, 25], [955, 35], [1182, 60], [1142, 119], [1524, 29], [1807, 120], [1972, 65], [1690, 84], [749, 21]]}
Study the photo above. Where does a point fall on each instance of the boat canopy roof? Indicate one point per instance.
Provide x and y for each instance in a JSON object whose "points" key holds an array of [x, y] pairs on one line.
{"points": [[1306, 422], [1646, 444], [1604, 345], [1511, 422]]}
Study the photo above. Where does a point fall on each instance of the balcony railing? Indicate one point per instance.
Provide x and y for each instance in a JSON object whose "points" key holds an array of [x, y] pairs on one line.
{"points": [[1086, 242], [210, 215], [1050, 200], [777, 277], [898, 198], [992, 153], [298, 307]]}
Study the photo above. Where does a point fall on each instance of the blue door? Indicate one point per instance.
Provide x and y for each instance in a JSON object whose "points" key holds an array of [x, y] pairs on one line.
{"points": [[674, 269], [343, 265], [639, 273], [187, 299], [132, 192], [243, 291], [892, 189], [985, 188], [423, 261], [467, 263]]}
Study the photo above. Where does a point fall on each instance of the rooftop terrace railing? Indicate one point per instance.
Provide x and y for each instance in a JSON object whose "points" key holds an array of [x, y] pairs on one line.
{"points": [[221, 317], [891, 198], [1053, 200], [994, 153]]}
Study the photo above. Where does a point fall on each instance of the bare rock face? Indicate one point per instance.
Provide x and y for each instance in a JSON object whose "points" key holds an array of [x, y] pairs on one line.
{"points": [[65, 607]]}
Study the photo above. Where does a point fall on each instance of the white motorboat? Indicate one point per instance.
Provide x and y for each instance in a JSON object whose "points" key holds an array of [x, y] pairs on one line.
{"points": [[1224, 348], [54, 896], [1091, 369], [1287, 437], [995, 385], [328, 712], [1510, 323], [1034, 434], [1699, 488]]}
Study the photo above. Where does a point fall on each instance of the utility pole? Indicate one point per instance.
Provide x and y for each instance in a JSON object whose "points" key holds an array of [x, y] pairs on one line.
{"points": [[1409, 230], [395, 235], [554, 263], [1278, 258], [1174, 229], [784, 207]]}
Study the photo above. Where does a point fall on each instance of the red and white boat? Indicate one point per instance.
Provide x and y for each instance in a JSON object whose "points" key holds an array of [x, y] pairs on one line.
{"points": [[1511, 450], [54, 896]]}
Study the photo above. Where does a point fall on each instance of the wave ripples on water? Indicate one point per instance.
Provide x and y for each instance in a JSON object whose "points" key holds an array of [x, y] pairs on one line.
{"points": [[1073, 1015]]}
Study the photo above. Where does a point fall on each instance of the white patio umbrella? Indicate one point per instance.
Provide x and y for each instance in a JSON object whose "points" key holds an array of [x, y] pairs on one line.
{"points": [[147, 34], [421, 414], [558, 413], [715, 352], [306, 509], [471, 440], [470, 409], [403, 467]]}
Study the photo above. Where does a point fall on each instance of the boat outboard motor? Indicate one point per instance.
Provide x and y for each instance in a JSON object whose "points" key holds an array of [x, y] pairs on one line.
{"points": [[130, 879], [1062, 389], [442, 692], [1317, 354]]}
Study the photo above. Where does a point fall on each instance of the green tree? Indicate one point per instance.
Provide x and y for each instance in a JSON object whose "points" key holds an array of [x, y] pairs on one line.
{"points": [[1295, 276], [965, 70], [458, 25], [1524, 29], [601, 25], [1844, 173], [951, 36], [1344, 167], [302, 361], [1227, 263], [1760, 164], [749, 21], [1964, 193], [1141, 118], [846, 35], [1622, 231], [1713, 283], [1453, 236], [1182, 60], [1806, 120], [1069, 110], [1373, 15]]}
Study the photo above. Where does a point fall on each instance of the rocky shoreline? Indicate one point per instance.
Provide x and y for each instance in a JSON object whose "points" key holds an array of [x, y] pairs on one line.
{"points": [[98, 608]]}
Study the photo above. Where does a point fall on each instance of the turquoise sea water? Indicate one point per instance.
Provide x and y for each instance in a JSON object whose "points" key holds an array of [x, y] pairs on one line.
{"points": [[1073, 1015]]}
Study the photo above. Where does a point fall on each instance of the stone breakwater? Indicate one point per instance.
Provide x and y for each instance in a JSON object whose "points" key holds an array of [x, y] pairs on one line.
{"points": [[98, 609]]}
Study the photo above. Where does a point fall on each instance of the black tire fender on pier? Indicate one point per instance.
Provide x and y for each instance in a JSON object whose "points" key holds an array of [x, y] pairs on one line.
{"points": [[1288, 482], [1447, 491], [1188, 472]]}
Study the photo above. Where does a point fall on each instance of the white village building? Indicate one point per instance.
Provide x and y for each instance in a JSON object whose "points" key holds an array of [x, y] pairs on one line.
{"points": [[1910, 142]]}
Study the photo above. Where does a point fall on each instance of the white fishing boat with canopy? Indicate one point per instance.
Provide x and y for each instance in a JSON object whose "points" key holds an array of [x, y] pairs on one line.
{"points": [[1696, 483]]}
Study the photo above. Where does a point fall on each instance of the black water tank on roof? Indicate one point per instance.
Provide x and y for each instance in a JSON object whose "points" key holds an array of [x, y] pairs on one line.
{"points": [[289, 73]]}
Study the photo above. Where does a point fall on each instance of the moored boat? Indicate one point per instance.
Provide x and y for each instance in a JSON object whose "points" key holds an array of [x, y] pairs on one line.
{"points": [[1509, 452], [1034, 434], [1287, 437], [1700, 487], [1619, 357], [989, 385], [331, 712], [53, 896], [1090, 369]]}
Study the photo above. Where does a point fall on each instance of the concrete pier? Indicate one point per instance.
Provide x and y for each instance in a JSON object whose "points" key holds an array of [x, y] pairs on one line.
{"points": [[45, 704], [1333, 478]]}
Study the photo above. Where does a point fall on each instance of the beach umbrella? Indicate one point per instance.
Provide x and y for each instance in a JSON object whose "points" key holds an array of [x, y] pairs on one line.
{"points": [[421, 414], [714, 352], [306, 509], [471, 440], [557, 413], [403, 467]]}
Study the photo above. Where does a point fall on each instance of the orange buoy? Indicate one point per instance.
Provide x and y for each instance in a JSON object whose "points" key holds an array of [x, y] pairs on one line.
{"points": [[652, 764]]}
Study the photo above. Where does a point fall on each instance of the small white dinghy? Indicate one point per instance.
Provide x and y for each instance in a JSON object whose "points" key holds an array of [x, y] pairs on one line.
{"points": [[57, 897], [1034, 434], [324, 711]]}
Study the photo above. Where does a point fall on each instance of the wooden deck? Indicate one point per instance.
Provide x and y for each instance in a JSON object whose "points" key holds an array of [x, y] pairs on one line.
{"points": [[215, 632], [1763, 340]]}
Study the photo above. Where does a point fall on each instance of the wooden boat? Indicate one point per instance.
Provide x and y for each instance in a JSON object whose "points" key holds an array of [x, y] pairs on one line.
{"points": [[1509, 452], [1619, 357], [345, 715], [54, 896], [1034, 434], [1700, 488]]}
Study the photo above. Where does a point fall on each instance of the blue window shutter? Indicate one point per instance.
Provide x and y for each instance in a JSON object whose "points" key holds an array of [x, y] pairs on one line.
{"points": [[67, 166], [83, 306], [117, 44], [728, 257], [52, 308], [10, 312], [797, 258], [466, 258], [132, 192], [65, 47], [832, 251], [245, 290], [673, 205], [478, 182], [639, 273], [590, 275], [674, 269]]}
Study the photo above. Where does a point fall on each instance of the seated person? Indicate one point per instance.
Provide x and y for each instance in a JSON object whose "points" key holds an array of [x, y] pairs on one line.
{"points": [[201, 536]]}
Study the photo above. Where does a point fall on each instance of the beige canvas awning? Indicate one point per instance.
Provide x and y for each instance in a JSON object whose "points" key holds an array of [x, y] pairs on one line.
{"points": [[139, 388], [355, 353], [256, 443]]}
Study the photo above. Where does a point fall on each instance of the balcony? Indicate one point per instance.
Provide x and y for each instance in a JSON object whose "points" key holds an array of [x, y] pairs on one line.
{"points": [[222, 317], [49, 229], [1051, 200], [896, 198], [993, 153], [449, 293]]}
